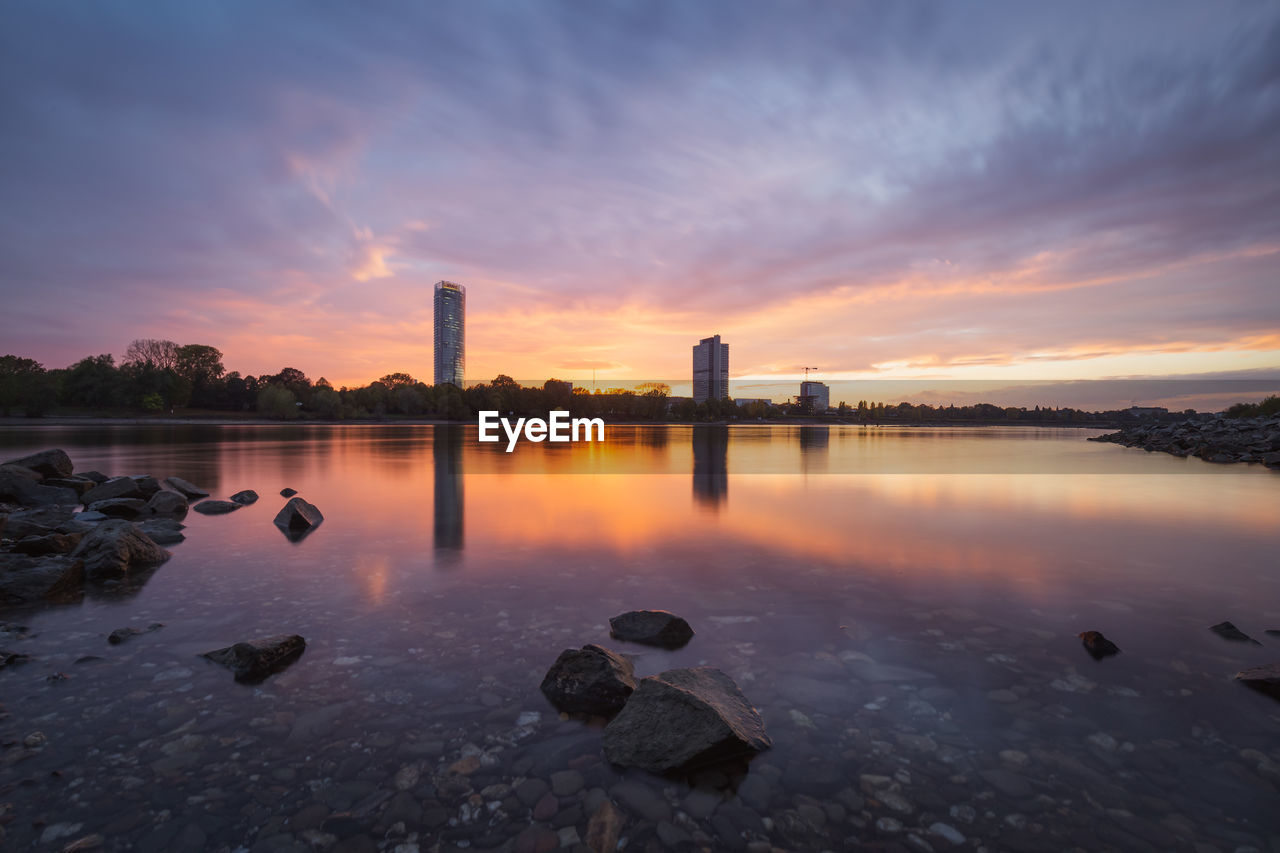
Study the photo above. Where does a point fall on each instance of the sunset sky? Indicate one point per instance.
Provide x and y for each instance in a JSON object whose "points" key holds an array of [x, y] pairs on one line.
{"points": [[1021, 190]]}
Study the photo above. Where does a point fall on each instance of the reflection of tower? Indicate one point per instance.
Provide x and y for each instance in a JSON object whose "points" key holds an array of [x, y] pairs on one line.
{"points": [[711, 464], [814, 447], [446, 454]]}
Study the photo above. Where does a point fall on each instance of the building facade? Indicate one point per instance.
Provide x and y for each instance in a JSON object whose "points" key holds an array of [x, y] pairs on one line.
{"points": [[451, 333], [818, 393], [710, 370]]}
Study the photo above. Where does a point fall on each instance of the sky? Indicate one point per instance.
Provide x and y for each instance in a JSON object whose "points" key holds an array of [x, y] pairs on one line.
{"points": [[1021, 191]]}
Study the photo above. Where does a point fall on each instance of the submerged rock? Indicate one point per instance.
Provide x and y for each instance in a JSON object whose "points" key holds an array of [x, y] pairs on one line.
{"points": [[119, 635], [1265, 678], [683, 719], [297, 518], [253, 661], [590, 680], [13, 658], [190, 491], [216, 507], [245, 497], [1097, 645], [116, 547], [25, 580], [652, 628], [1227, 631], [288, 492], [163, 531], [47, 463]]}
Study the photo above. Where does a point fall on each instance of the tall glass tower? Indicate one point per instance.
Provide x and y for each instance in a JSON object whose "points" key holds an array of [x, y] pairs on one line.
{"points": [[451, 332], [710, 370]]}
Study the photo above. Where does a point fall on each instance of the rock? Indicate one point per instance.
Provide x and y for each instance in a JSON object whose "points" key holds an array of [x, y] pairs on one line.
{"points": [[590, 680], [21, 490], [603, 828], [254, 661], [168, 504], [287, 492], [116, 487], [13, 658], [50, 543], [682, 719], [94, 476], [1227, 631], [38, 521], [119, 635], [47, 463], [163, 531], [79, 485], [1265, 678], [1097, 645], [297, 518], [651, 627], [25, 580], [189, 491], [245, 497], [216, 507], [119, 507], [147, 485], [115, 548]]}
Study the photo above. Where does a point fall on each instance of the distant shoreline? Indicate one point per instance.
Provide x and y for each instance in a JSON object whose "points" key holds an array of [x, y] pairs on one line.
{"points": [[107, 420]]}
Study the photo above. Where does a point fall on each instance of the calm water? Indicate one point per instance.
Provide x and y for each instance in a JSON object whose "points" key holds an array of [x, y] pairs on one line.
{"points": [[902, 606]]}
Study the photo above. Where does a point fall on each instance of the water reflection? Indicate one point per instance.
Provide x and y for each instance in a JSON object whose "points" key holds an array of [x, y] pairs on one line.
{"points": [[710, 465], [446, 456], [815, 444]]}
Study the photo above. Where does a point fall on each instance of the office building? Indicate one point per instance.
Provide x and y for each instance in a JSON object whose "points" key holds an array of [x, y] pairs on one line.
{"points": [[451, 333], [710, 370], [817, 393]]}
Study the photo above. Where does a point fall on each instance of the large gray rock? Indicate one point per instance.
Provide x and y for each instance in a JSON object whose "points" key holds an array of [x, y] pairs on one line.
{"points": [[216, 507], [683, 719], [116, 487], [48, 463], [590, 680], [51, 543], [163, 531], [79, 485], [297, 518], [651, 627], [22, 471], [40, 521], [1227, 631], [21, 490], [255, 660], [168, 505], [28, 580], [116, 547], [246, 497], [187, 490], [1265, 678], [147, 484]]}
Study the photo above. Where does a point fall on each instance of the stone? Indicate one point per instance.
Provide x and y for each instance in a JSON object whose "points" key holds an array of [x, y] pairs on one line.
{"points": [[652, 628], [1227, 631], [116, 487], [120, 507], [683, 719], [566, 783], [23, 491], [168, 504], [116, 547], [287, 492], [163, 531], [590, 680], [119, 635], [245, 497], [1007, 783], [297, 518], [603, 828], [216, 507], [50, 543], [25, 580], [1265, 678], [255, 660], [147, 484], [1097, 645], [189, 491], [79, 485], [47, 463]]}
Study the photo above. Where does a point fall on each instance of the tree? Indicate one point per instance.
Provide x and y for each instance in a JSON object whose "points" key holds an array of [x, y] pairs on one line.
{"points": [[276, 401], [24, 382], [159, 354], [398, 380], [93, 381]]}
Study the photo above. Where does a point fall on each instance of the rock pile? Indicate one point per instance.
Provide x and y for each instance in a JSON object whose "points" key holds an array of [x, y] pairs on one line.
{"points": [[1218, 440]]}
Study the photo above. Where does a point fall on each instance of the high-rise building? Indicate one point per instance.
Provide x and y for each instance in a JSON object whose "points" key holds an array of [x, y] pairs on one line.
{"points": [[710, 370], [816, 393], [451, 332]]}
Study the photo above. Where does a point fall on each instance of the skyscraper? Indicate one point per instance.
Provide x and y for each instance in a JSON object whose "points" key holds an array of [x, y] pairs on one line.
{"points": [[710, 370], [451, 332]]}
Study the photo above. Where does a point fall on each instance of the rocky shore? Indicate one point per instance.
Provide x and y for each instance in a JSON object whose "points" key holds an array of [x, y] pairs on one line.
{"points": [[1220, 440]]}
